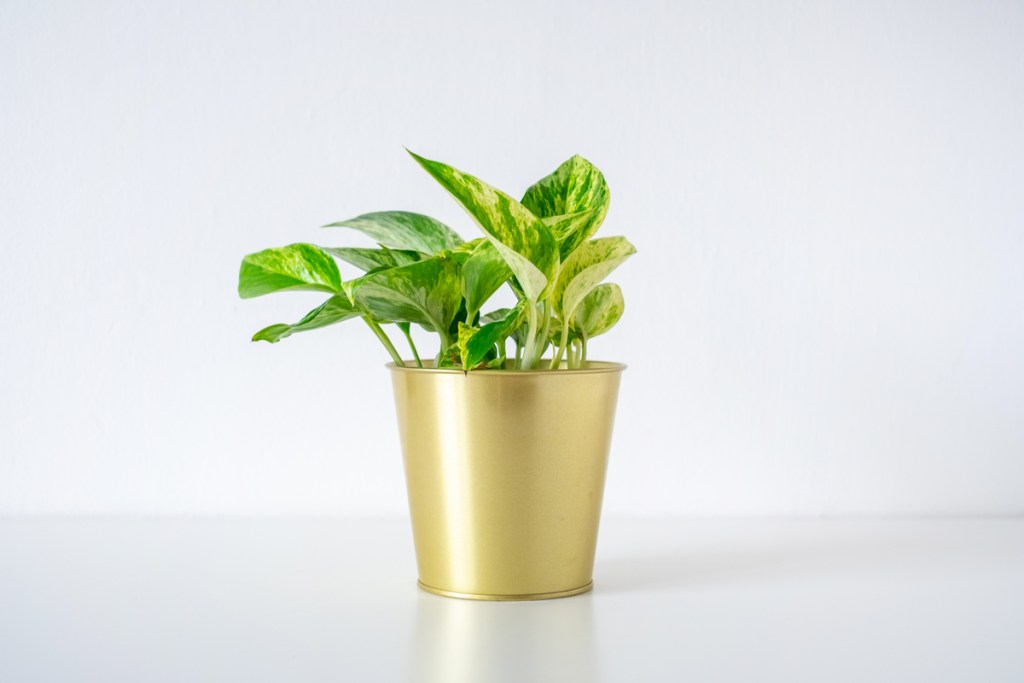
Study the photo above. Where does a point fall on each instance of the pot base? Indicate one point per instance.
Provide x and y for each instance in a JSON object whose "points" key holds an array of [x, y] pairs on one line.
{"points": [[525, 596]]}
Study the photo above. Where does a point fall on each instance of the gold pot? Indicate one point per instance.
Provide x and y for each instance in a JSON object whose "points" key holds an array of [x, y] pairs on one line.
{"points": [[505, 472]]}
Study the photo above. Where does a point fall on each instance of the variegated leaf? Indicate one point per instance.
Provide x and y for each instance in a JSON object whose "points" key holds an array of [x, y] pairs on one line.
{"points": [[518, 334], [566, 225], [449, 356], [576, 194], [294, 267], [495, 315], [470, 246], [599, 310], [476, 343], [372, 259], [404, 230], [427, 293], [335, 310], [483, 273], [466, 334], [585, 269], [555, 332], [521, 238]]}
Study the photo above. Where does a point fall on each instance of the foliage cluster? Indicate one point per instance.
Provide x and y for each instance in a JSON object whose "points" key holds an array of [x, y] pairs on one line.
{"points": [[422, 272]]}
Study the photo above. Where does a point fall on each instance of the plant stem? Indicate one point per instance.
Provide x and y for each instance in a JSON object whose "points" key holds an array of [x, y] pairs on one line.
{"points": [[577, 353], [556, 357], [531, 337], [545, 330], [538, 339], [583, 349], [385, 341], [412, 346]]}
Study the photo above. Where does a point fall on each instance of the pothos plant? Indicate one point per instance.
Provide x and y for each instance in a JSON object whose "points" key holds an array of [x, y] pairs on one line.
{"points": [[424, 273]]}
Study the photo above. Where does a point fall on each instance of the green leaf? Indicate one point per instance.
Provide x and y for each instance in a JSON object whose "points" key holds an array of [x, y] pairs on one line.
{"points": [[483, 273], [404, 230], [449, 357], [476, 343], [371, 259], [585, 269], [564, 226], [294, 267], [521, 238], [599, 310], [518, 333], [577, 194], [495, 315], [470, 246], [466, 335], [335, 310], [555, 332], [427, 292]]}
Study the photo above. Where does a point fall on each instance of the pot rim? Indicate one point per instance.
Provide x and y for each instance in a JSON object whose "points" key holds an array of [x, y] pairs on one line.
{"points": [[593, 367]]}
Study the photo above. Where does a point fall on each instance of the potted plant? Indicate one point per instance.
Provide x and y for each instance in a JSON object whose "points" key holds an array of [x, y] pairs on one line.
{"points": [[505, 450]]}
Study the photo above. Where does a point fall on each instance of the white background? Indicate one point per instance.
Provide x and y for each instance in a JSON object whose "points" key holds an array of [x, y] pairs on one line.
{"points": [[825, 316]]}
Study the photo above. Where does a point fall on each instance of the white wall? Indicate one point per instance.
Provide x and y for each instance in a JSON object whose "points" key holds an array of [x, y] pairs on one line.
{"points": [[826, 314]]}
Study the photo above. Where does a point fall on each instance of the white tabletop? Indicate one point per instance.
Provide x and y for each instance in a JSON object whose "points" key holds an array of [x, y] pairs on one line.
{"points": [[148, 600]]}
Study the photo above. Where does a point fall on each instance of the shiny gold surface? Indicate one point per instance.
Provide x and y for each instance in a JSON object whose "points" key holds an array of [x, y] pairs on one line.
{"points": [[522, 596], [505, 474]]}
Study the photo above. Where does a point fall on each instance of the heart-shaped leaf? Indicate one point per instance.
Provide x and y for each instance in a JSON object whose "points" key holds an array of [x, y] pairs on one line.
{"points": [[585, 269], [427, 293], [335, 310], [294, 267], [577, 195], [404, 230], [521, 238], [599, 310]]}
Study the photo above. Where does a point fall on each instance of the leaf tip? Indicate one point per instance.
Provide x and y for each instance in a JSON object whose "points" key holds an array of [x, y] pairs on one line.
{"points": [[427, 164], [272, 334]]}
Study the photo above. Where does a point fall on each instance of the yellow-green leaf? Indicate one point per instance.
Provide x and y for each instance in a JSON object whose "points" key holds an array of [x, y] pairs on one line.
{"points": [[371, 259], [574, 201], [599, 310], [521, 238], [404, 230], [483, 273], [335, 310], [294, 267], [476, 343], [427, 293], [585, 269]]}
